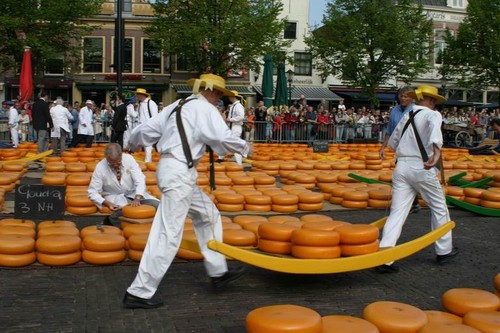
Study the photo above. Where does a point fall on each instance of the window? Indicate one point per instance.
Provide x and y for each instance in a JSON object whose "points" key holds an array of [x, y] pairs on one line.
{"points": [[128, 44], [54, 65], [93, 54], [303, 63], [184, 63], [439, 46], [290, 30], [151, 57], [127, 6], [458, 4]]}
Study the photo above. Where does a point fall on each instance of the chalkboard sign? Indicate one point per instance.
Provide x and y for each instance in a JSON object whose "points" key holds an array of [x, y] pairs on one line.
{"points": [[39, 202], [320, 146]]}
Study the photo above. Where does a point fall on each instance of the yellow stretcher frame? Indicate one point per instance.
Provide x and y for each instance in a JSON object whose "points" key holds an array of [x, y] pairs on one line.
{"points": [[29, 157], [288, 264]]}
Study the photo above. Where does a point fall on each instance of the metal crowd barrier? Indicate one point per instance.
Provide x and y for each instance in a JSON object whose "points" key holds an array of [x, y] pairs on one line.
{"points": [[267, 131]]}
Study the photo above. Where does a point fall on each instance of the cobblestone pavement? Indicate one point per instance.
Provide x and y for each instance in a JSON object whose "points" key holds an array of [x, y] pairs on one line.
{"points": [[86, 298]]}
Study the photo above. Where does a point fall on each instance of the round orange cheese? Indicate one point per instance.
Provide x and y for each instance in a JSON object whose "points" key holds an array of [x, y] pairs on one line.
{"points": [[395, 317], [283, 318], [103, 258], [102, 242], [316, 252], [460, 301], [239, 237], [138, 212], [310, 237], [63, 259], [359, 249], [17, 260], [58, 244], [357, 233], [487, 321], [273, 246], [16, 244], [347, 324]]}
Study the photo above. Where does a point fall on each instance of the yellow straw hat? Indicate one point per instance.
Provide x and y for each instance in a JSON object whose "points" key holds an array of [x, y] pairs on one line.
{"points": [[210, 82], [142, 91], [429, 91]]}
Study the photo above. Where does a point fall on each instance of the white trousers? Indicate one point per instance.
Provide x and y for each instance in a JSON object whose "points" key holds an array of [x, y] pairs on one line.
{"points": [[181, 197], [410, 178], [236, 130], [149, 154], [14, 135]]}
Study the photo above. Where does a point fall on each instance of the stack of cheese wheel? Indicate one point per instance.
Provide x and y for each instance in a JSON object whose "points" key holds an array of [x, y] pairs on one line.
{"points": [[262, 181], [7, 182], [58, 243], [310, 201], [250, 223], [304, 180], [379, 197], [395, 317], [472, 195], [373, 161], [325, 182], [283, 318], [491, 198], [460, 301], [55, 167], [139, 232], [69, 156], [188, 254], [138, 214], [230, 202], [79, 204], [315, 244], [285, 203], [239, 237], [17, 249], [337, 192], [86, 155], [258, 202], [455, 192], [76, 167], [103, 248], [54, 178], [355, 199], [347, 324], [358, 239], [275, 237]]}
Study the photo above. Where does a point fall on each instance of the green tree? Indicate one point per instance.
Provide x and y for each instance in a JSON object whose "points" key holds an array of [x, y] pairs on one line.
{"points": [[472, 57], [52, 28], [367, 43], [219, 35]]}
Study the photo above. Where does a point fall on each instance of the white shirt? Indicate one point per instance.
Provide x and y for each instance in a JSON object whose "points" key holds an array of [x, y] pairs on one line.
{"points": [[104, 184], [131, 116], [13, 117], [203, 125], [428, 124], [60, 118], [143, 110], [236, 114], [85, 117]]}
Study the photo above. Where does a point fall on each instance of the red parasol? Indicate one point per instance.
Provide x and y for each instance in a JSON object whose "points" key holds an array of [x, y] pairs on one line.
{"points": [[26, 79]]}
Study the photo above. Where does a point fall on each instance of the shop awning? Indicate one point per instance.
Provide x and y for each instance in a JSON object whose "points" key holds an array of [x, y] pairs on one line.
{"points": [[359, 96], [311, 93], [242, 90]]}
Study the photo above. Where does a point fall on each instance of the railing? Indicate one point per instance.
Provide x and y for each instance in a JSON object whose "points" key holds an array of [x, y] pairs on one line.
{"points": [[267, 131]]}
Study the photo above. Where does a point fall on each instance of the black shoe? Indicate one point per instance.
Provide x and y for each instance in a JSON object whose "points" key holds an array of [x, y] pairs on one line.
{"points": [[444, 258], [387, 269], [134, 302], [231, 275]]}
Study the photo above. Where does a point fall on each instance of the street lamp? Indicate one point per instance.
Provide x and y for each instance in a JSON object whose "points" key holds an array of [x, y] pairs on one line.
{"points": [[289, 77]]}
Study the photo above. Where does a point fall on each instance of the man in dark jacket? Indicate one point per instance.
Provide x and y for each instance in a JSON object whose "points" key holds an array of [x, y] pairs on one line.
{"points": [[119, 122], [42, 121]]}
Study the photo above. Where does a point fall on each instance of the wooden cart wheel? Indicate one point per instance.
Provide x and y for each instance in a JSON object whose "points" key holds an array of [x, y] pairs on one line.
{"points": [[463, 139]]}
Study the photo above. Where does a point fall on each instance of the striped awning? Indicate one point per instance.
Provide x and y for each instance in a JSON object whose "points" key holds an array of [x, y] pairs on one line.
{"points": [[311, 93], [242, 90]]}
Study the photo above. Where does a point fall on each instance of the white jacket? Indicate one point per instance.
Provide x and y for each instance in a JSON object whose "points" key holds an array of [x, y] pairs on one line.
{"points": [[144, 112], [85, 117], [105, 186], [13, 117], [60, 118]]}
